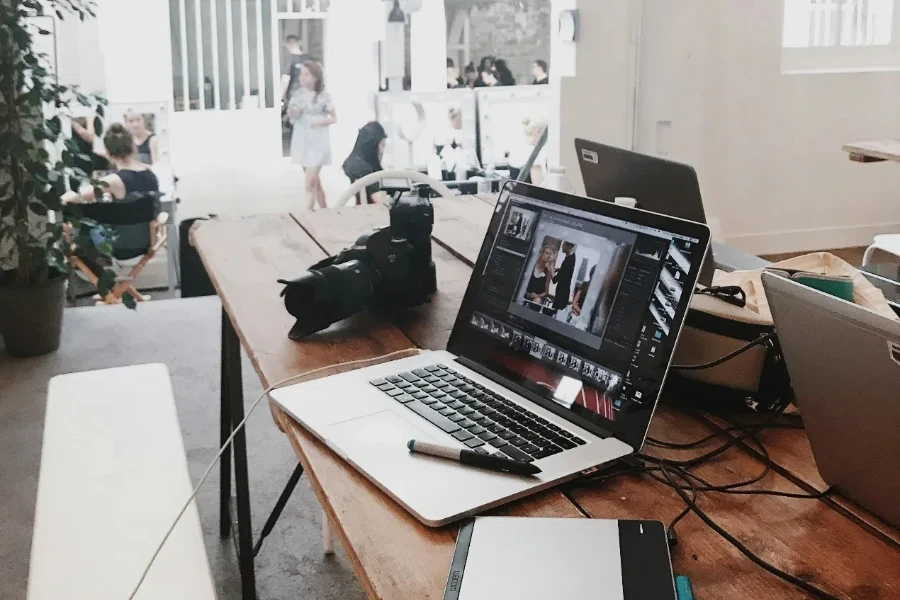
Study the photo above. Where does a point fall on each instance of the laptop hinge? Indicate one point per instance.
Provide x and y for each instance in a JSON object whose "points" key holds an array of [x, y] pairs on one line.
{"points": [[528, 395]]}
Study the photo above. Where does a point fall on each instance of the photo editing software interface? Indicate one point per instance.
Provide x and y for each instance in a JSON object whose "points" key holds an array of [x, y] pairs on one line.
{"points": [[580, 307]]}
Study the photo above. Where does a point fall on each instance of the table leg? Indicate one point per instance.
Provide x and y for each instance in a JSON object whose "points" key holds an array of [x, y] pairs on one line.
{"points": [[327, 535], [225, 425], [241, 476]]}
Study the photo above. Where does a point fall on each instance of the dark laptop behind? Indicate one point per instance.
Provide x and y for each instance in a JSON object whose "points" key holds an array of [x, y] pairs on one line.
{"points": [[659, 185]]}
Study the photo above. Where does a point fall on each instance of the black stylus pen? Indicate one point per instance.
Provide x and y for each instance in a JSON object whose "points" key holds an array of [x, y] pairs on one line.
{"points": [[468, 457]]}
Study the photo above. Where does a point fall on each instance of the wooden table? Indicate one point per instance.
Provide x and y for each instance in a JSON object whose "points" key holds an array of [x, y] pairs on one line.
{"points": [[830, 542], [873, 151]]}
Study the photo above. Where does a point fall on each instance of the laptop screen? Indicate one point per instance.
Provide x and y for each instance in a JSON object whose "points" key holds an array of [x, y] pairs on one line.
{"points": [[580, 307]]}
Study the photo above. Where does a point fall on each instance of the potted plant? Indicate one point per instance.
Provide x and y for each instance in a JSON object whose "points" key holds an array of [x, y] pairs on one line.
{"points": [[34, 242]]}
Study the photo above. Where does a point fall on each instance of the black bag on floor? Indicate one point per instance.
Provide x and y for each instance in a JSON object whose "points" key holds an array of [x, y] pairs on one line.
{"points": [[194, 279]]}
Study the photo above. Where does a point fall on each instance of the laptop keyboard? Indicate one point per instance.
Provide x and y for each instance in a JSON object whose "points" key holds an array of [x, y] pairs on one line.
{"points": [[481, 419]]}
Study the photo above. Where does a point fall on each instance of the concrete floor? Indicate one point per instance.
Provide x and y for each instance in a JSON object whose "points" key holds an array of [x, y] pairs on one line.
{"points": [[183, 334]]}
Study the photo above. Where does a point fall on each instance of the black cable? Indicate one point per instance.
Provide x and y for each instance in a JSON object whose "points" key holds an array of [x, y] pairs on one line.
{"points": [[691, 445], [688, 491], [796, 581], [760, 340]]}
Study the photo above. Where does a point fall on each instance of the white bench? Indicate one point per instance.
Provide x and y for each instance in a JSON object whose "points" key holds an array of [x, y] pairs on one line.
{"points": [[113, 477]]}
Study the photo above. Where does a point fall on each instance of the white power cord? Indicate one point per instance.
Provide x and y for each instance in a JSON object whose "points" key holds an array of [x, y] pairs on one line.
{"points": [[371, 178], [283, 382]]}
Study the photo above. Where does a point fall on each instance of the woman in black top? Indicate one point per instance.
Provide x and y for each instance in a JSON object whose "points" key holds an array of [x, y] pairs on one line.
{"points": [[365, 158], [502, 73], [131, 177], [145, 141], [131, 174]]}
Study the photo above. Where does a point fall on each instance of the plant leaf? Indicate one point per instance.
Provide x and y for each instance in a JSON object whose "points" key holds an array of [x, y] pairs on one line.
{"points": [[38, 208]]}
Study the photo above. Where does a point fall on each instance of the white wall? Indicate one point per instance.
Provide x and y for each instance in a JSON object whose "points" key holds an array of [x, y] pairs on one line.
{"points": [[596, 98], [428, 47], [767, 146], [79, 61]]}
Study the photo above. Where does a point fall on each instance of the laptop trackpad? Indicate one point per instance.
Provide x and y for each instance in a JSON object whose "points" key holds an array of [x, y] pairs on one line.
{"points": [[384, 431], [427, 486]]}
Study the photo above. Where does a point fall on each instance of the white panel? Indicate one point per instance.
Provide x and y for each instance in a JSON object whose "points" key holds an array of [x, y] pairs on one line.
{"points": [[239, 139], [216, 76], [245, 53], [229, 23], [136, 72], [198, 40], [352, 68], [260, 58], [428, 47], [182, 23]]}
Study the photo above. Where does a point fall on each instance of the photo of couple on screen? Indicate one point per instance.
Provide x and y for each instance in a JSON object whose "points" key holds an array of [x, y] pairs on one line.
{"points": [[571, 277]]}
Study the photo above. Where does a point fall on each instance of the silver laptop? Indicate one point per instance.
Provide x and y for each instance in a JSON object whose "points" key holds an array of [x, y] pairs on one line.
{"points": [[844, 363], [557, 357]]}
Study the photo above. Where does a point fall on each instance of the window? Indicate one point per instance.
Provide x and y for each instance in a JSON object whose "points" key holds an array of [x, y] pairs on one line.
{"points": [[840, 35]]}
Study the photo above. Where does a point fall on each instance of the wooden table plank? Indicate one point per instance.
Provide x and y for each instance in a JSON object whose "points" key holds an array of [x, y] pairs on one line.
{"points": [[804, 537], [796, 458], [245, 258], [873, 151], [393, 555], [460, 224]]}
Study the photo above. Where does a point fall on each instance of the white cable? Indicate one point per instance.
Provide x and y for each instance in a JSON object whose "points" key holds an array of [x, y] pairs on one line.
{"points": [[371, 178], [227, 443]]}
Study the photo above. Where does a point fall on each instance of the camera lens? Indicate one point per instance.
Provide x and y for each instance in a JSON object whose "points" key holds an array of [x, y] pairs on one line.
{"points": [[324, 296]]}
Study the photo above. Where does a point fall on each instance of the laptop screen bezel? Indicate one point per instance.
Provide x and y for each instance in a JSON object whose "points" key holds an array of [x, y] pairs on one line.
{"points": [[463, 339]]}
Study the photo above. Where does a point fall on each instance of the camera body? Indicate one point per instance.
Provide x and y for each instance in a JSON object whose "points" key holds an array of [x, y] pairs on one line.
{"points": [[389, 270]]}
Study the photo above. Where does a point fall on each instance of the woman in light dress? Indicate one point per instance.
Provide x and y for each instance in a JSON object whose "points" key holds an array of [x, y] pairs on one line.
{"points": [[311, 111]]}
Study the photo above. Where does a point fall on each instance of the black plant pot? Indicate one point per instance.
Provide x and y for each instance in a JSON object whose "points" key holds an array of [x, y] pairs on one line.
{"points": [[31, 316]]}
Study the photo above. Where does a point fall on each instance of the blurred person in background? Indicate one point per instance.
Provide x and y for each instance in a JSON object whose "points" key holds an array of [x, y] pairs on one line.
{"points": [[533, 129], [541, 72], [453, 78], [311, 112], [291, 72], [473, 80], [144, 138], [502, 73], [365, 159]]}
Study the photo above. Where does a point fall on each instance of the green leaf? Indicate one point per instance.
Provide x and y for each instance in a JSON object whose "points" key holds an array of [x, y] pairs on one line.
{"points": [[38, 208], [106, 282], [54, 124]]}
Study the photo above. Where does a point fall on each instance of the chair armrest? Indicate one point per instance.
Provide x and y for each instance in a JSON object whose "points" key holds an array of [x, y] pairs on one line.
{"points": [[158, 233]]}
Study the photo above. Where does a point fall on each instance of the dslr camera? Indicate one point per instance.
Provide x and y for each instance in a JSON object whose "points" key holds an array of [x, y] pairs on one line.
{"points": [[388, 270]]}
